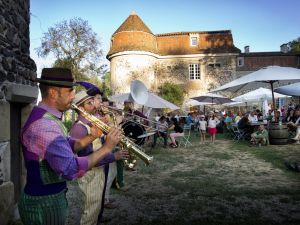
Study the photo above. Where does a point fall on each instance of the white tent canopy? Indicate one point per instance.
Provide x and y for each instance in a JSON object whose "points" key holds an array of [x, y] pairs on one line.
{"points": [[153, 101], [257, 95], [256, 79], [267, 76], [292, 89]]}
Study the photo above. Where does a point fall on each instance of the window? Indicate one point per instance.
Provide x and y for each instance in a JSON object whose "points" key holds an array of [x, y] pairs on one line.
{"points": [[194, 41], [240, 61], [194, 72]]}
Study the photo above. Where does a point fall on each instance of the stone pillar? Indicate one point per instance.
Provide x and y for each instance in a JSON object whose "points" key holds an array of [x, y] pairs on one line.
{"points": [[17, 90]]}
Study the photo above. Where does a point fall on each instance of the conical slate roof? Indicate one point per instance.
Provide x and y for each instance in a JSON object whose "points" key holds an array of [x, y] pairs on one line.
{"points": [[133, 23]]}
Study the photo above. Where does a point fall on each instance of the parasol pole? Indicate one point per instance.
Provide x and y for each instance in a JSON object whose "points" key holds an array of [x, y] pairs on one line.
{"points": [[272, 89]]}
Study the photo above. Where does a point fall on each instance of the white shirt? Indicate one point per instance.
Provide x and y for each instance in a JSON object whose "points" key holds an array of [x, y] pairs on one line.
{"points": [[252, 119], [213, 123], [202, 124]]}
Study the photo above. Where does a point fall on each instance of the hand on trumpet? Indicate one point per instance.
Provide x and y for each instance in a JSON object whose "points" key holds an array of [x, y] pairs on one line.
{"points": [[96, 132], [123, 154], [113, 137]]}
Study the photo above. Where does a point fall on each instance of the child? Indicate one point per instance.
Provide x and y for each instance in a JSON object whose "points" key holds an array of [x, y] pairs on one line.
{"points": [[213, 121], [202, 129]]}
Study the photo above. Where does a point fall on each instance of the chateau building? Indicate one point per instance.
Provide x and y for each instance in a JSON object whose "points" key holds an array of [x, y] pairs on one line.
{"points": [[197, 61]]}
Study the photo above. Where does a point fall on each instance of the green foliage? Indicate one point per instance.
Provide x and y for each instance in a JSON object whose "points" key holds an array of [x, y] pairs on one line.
{"points": [[105, 87], [294, 45], [75, 46], [172, 92]]}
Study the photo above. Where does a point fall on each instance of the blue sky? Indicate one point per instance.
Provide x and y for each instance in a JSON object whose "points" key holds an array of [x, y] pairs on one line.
{"points": [[262, 24]]}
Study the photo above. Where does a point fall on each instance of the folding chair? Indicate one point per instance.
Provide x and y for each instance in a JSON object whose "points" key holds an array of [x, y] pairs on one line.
{"points": [[185, 140], [238, 134]]}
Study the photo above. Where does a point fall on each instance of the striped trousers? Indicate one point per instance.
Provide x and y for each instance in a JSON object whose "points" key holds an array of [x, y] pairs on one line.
{"points": [[87, 194], [43, 210]]}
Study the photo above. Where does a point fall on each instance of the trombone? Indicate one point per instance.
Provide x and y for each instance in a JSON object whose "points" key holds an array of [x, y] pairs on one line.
{"points": [[131, 115]]}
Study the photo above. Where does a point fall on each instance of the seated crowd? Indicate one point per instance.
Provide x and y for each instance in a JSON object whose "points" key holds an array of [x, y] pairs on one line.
{"points": [[252, 124]]}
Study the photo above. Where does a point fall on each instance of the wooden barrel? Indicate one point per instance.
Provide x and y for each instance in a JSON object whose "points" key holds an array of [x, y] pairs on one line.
{"points": [[278, 134]]}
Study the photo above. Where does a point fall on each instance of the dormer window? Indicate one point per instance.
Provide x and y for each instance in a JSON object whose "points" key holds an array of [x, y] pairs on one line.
{"points": [[194, 39]]}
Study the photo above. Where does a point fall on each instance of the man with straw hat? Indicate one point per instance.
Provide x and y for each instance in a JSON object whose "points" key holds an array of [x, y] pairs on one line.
{"points": [[93, 182]]}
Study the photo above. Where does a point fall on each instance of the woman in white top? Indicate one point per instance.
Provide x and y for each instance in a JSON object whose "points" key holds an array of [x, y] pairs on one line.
{"points": [[252, 117], [213, 121]]}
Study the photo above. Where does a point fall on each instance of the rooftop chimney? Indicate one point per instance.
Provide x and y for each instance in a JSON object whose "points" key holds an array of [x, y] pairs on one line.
{"points": [[284, 48], [247, 49]]}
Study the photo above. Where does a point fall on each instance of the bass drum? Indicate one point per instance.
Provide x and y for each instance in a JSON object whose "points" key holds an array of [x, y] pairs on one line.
{"points": [[133, 130]]}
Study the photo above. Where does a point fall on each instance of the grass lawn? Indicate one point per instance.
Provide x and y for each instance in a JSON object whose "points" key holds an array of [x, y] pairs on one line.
{"points": [[225, 183], [221, 184]]}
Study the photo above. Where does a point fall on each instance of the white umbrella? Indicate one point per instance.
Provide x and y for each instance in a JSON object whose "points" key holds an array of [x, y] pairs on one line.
{"points": [[291, 89], [257, 95], [268, 75], [193, 102], [153, 101], [212, 98]]}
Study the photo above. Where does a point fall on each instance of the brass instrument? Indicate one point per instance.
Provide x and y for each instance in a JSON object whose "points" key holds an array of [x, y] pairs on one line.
{"points": [[152, 122], [125, 142]]}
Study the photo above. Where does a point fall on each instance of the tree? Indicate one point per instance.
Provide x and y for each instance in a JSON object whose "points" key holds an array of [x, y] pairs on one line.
{"points": [[75, 45], [294, 45], [172, 92], [105, 87]]}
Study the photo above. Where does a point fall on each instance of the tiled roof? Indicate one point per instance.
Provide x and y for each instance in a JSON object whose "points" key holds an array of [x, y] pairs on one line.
{"points": [[193, 32], [209, 42], [134, 35], [255, 54], [133, 23]]}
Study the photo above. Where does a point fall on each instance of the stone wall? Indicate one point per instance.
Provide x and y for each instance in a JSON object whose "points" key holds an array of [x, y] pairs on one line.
{"points": [[214, 70], [154, 71], [134, 66], [17, 89]]}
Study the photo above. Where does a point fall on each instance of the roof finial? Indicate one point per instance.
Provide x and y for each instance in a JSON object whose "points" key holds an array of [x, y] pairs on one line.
{"points": [[133, 13]]}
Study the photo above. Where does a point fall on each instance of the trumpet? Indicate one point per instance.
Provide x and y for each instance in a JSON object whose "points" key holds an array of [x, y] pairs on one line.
{"points": [[125, 141]]}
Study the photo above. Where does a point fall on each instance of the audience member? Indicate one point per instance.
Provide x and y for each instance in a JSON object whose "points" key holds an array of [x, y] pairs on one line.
{"points": [[213, 121], [260, 137], [162, 128], [202, 129], [178, 132]]}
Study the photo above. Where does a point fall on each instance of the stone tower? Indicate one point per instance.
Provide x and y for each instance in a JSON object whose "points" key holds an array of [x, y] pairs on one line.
{"points": [[132, 54]]}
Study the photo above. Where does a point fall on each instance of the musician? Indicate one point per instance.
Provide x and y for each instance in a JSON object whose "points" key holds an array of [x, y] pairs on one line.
{"points": [[112, 119], [130, 111], [91, 184], [48, 151]]}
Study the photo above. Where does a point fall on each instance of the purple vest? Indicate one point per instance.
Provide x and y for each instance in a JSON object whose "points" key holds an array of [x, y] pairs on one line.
{"points": [[35, 184]]}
